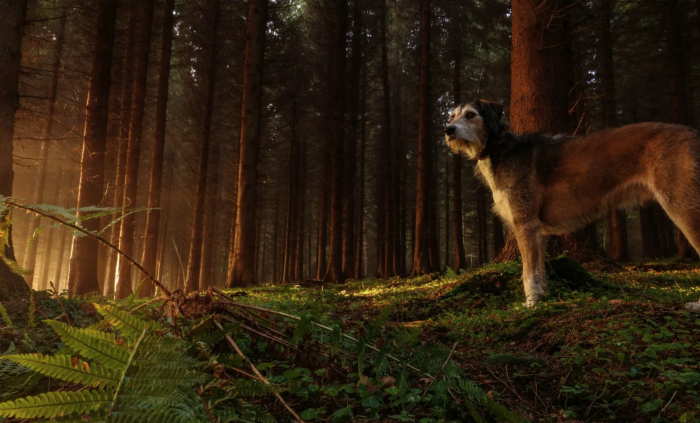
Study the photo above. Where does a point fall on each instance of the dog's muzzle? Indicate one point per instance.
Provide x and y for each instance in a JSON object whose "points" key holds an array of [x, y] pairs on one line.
{"points": [[450, 130]]}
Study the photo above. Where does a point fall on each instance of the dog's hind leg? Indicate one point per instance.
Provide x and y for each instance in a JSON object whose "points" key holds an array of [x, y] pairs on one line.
{"points": [[532, 247]]}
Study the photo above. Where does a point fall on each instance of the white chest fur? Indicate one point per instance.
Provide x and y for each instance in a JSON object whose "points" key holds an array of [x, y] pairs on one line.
{"points": [[501, 205]]}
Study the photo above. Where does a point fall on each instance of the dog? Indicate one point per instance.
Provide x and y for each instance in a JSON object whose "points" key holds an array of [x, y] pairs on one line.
{"points": [[554, 184]]}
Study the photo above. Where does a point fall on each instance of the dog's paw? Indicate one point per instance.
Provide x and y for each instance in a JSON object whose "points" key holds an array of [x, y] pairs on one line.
{"points": [[693, 307]]}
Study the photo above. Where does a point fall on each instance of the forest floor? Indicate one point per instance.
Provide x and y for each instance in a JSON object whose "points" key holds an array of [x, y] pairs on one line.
{"points": [[611, 343]]}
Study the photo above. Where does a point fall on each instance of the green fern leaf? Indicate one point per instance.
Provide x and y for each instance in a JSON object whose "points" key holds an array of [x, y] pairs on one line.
{"points": [[163, 377], [475, 394], [252, 388], [53, 404], [86, 343], [164, 359], [231, 360], [125, 322], [214, 337], [61, 367]]}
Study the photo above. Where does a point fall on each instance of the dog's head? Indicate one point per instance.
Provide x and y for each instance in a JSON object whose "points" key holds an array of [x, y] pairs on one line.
{"points": [[472, 126]]}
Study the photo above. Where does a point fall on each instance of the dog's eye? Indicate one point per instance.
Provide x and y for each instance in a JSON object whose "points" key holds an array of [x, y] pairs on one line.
{"points": [[470, 115]]}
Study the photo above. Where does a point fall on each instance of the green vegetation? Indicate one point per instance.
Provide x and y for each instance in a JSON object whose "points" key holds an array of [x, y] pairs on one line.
{"points": [[614, 344]]}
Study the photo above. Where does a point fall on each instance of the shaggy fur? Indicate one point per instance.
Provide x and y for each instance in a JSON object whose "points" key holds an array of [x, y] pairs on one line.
{"points": [[552, 185]]}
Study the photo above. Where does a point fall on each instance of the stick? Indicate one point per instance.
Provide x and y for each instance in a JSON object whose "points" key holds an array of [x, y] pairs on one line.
{"points": [[102, 240], [263, 379], [148, 303], [60, 303], [427, 388]]}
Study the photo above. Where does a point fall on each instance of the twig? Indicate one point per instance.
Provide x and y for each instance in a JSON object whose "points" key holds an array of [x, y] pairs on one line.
{"points": [[427, 388], [206, 407], [58, 297], [668, 403], [102, 240], [262, 378], [148, 303], [324, 327]]}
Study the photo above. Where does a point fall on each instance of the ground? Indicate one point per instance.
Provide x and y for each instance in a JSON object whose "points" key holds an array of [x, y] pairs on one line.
{"points": [[610, 343]]}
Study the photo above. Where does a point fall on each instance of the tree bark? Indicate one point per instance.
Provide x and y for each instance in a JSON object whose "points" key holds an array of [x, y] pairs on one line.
{"points": [[290, 221], [421, 253], [30, 258], [82, 271], [301, 207], [209, 241], [125, 121], [150, 250], [359, 243], [482, 223], [679, 95], [195, 256], [336, 90], [126, 236], [243, 267], [617, 219], [351, 142]]}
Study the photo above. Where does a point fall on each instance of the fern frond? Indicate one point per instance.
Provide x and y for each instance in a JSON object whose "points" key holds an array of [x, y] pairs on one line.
{"points": [[475, 394], [215, 336], [148, 396], [9, 369], [125, 322], [164, 359], [84, 342], [61, 367], [252, 388], [231, 360], [160, 377], [53, 404]]}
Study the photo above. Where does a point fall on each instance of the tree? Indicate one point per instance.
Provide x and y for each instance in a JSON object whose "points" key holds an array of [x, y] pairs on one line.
{"points": [[30, 258], [82, 272], [150, 250], [421, 254], [242, 272], [679, 96], [126, 236], [195, 257], [127, 89]]}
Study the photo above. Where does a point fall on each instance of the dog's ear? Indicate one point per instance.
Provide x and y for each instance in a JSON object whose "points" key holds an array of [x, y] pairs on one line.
{"points": [[491, 113]]}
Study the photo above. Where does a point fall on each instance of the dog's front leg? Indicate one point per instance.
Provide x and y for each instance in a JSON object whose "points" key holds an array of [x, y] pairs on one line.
{"points": [[531, 244]]}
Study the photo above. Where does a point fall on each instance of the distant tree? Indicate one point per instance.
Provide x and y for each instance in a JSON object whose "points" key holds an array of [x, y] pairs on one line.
{"points": [[242, 271], [82, 273], [421, 254], [386, 205], [126, 236], [150, 250]]}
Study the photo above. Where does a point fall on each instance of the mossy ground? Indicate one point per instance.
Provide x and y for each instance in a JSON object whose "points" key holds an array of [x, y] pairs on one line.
{"points": [[611, 343]]}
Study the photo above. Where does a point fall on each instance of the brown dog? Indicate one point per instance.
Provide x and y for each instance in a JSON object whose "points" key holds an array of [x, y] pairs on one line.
{"points": [[552, 185]]}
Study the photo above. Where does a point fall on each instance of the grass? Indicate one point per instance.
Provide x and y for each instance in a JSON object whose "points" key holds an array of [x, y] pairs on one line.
{"points": [[610, 343]]}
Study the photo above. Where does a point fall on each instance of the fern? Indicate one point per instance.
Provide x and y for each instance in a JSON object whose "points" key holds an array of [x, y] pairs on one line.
{"points": [[32, 310], [64, 368], [90, 344], [475, 394], [53, 404], [5, 317], [123, 321], [251, 388]]}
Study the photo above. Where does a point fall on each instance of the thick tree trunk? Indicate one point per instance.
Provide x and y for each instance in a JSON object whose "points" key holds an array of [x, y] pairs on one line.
{"points": [[242, 272], [290, 221], [82, 272], [301, 207], [30, 258], [336, 90], [457, 230], [194, 261], [421, 252], [679, 95], [351, 142], [323, 217], [150, 249], [206, 273], [125, 121], [126, 236]]}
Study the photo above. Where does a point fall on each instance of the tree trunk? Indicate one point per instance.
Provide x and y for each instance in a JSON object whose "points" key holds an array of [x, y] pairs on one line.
{"points": [[301, 207], [498, 240], [617, 219], [359, 243], [12, 19], [150, 250], [82, 271], [194, 261], [447, 211], [351, 142], [243, 267], [209, 241], [290, 221], [336, 90], [457, 230], [482, 223], [120, 171], [30, 258], [679, 96], [126, 236], [421, 252]]}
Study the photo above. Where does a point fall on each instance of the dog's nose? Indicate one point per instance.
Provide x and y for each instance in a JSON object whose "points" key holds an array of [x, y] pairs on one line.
{"points": [[450, 130]]}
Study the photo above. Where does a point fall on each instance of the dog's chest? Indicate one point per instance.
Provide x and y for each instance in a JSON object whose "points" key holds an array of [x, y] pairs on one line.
{"points": [[501, 203]]}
